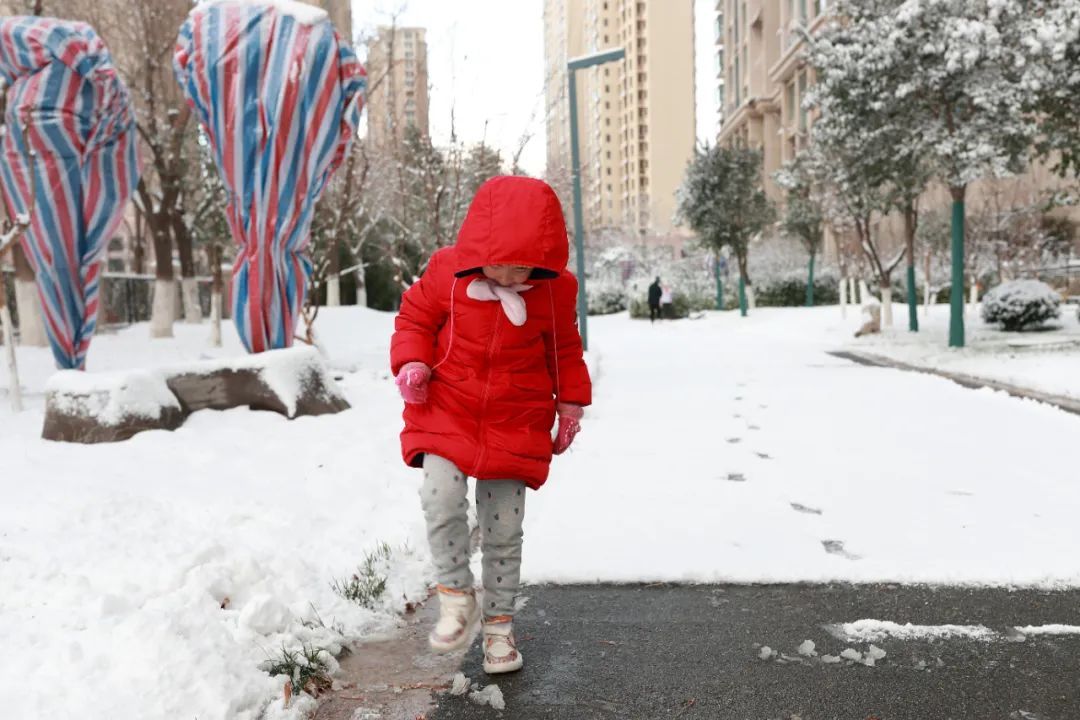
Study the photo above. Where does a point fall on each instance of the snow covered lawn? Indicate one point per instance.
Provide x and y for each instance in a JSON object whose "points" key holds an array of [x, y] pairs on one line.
{"points": [[719, 449], [1042, 360]]}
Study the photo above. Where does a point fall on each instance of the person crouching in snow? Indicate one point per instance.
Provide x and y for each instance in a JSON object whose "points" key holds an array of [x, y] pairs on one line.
{"points": [[486, 354]]}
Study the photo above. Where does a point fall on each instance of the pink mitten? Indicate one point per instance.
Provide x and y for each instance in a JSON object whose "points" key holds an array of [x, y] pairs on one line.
{"points": [[412, 382], [569, 426]]}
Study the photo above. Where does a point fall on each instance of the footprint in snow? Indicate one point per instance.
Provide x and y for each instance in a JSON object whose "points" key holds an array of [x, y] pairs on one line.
{"points": [[960, 493], [736, 477], [734, 440], [836, 547], [753, 427], [764, 456], [797, 507]]}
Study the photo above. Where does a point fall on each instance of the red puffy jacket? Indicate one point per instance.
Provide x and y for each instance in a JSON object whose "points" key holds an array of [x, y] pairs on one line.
{"points": [[491, 401]]}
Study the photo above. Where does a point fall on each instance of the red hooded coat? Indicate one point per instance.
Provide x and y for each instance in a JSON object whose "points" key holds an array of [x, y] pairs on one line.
{"points": [[491, 401]]}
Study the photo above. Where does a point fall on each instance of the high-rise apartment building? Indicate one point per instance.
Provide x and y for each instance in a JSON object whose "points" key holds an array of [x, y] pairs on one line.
{"points": [[398, 80], [763, 77], [637, 123]]}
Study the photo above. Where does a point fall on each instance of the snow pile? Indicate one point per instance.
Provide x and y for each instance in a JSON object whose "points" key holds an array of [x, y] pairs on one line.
{"points": [[110, 398], [1021, 304], [876, 630]]}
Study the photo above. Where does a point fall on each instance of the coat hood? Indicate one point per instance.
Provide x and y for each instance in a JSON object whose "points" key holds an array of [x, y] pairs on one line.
{"points": [[513, 220]]}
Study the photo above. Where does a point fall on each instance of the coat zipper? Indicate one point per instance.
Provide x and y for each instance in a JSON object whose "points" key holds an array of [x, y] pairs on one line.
{"points": [[481, 455]]}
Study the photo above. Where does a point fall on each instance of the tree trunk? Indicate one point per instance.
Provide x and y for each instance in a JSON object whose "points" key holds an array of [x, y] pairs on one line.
{"points": [[864, 292], [188, 284], [163, 312], [810, 284], [854, 291], [31, 319], [361, 287], [843, 297], [14, 390], [956, 294], [719, 283], [973, 298], [910, 221], [927, 294], [745, 291], [216, 293], [333, 274], [886, 302]]}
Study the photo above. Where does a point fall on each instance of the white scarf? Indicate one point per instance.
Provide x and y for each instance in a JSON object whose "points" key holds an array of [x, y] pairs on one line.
{"points": [[512, 303]]}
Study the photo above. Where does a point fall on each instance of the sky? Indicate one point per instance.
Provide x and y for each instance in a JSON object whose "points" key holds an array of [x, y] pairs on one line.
{"points": [[486, 58]]}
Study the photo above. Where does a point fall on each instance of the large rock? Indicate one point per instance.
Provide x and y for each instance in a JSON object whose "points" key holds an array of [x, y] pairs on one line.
{"points": [[291, 382], [108, 407]]}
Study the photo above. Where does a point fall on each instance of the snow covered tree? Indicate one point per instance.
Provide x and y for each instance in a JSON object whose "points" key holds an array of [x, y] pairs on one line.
{"points": [[964, 75], [722, 200], [804, 215], [1053, 37]]}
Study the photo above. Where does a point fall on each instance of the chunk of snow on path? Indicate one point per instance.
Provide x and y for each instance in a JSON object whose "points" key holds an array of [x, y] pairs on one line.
{"points": [[872, 630], [491, 695]]}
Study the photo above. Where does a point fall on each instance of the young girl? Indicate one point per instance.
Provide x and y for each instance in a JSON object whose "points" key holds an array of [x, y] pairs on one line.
{"points": [[486, 354]]}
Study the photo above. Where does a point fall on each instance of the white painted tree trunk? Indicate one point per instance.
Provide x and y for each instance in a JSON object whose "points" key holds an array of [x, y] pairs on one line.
{"points": [[864, 293], [14, 391], [751, 299], [31, 321], [974, 299], [843, 297], [886, 307], [854, 292], [189, 288], [215, 319], [333, 291], [163, 311]]}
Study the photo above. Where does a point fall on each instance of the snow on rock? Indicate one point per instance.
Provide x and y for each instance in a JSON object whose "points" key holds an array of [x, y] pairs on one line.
{"points": [[766, 652], [807, 648], [490, 695], [293, 381], [84, 407], [110, 397], [830, 659]]}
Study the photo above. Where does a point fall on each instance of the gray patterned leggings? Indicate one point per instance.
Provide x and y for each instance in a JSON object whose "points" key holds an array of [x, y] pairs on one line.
{"points": [[500, 509]]}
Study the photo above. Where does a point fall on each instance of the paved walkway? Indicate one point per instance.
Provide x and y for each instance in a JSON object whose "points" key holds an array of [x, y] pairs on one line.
{"points": [[643, 653]]}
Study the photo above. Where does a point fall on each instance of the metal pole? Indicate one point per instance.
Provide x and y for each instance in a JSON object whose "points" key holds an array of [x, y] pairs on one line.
{"points": [[956, 296], [579, 231]]}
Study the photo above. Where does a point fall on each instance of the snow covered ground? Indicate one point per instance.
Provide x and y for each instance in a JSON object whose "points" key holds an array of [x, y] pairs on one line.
{"points": [[719, 449], [1043, 360]]}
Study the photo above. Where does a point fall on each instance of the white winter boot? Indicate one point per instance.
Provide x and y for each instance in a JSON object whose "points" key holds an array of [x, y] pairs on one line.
{"points": [[500, 651], [458, 612]]}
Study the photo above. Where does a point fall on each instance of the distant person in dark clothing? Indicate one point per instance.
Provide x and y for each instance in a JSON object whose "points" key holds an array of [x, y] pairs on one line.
{"points": [[655, 292]]}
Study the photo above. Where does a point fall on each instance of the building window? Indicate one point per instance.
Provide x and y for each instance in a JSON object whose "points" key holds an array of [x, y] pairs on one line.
{"points": [[802, 97], [789, 91]]}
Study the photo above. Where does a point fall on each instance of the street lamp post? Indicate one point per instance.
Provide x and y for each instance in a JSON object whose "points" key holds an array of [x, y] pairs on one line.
{"points": [[575, 163]]}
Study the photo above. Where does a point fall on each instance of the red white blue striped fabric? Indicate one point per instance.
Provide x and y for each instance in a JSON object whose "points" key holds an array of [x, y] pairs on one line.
{"points": [[279, 99], [63, 88]]}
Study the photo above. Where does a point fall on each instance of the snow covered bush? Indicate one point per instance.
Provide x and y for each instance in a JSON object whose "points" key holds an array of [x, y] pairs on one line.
{"points": [[605, 299], [1021, 304], [790, 290]]}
